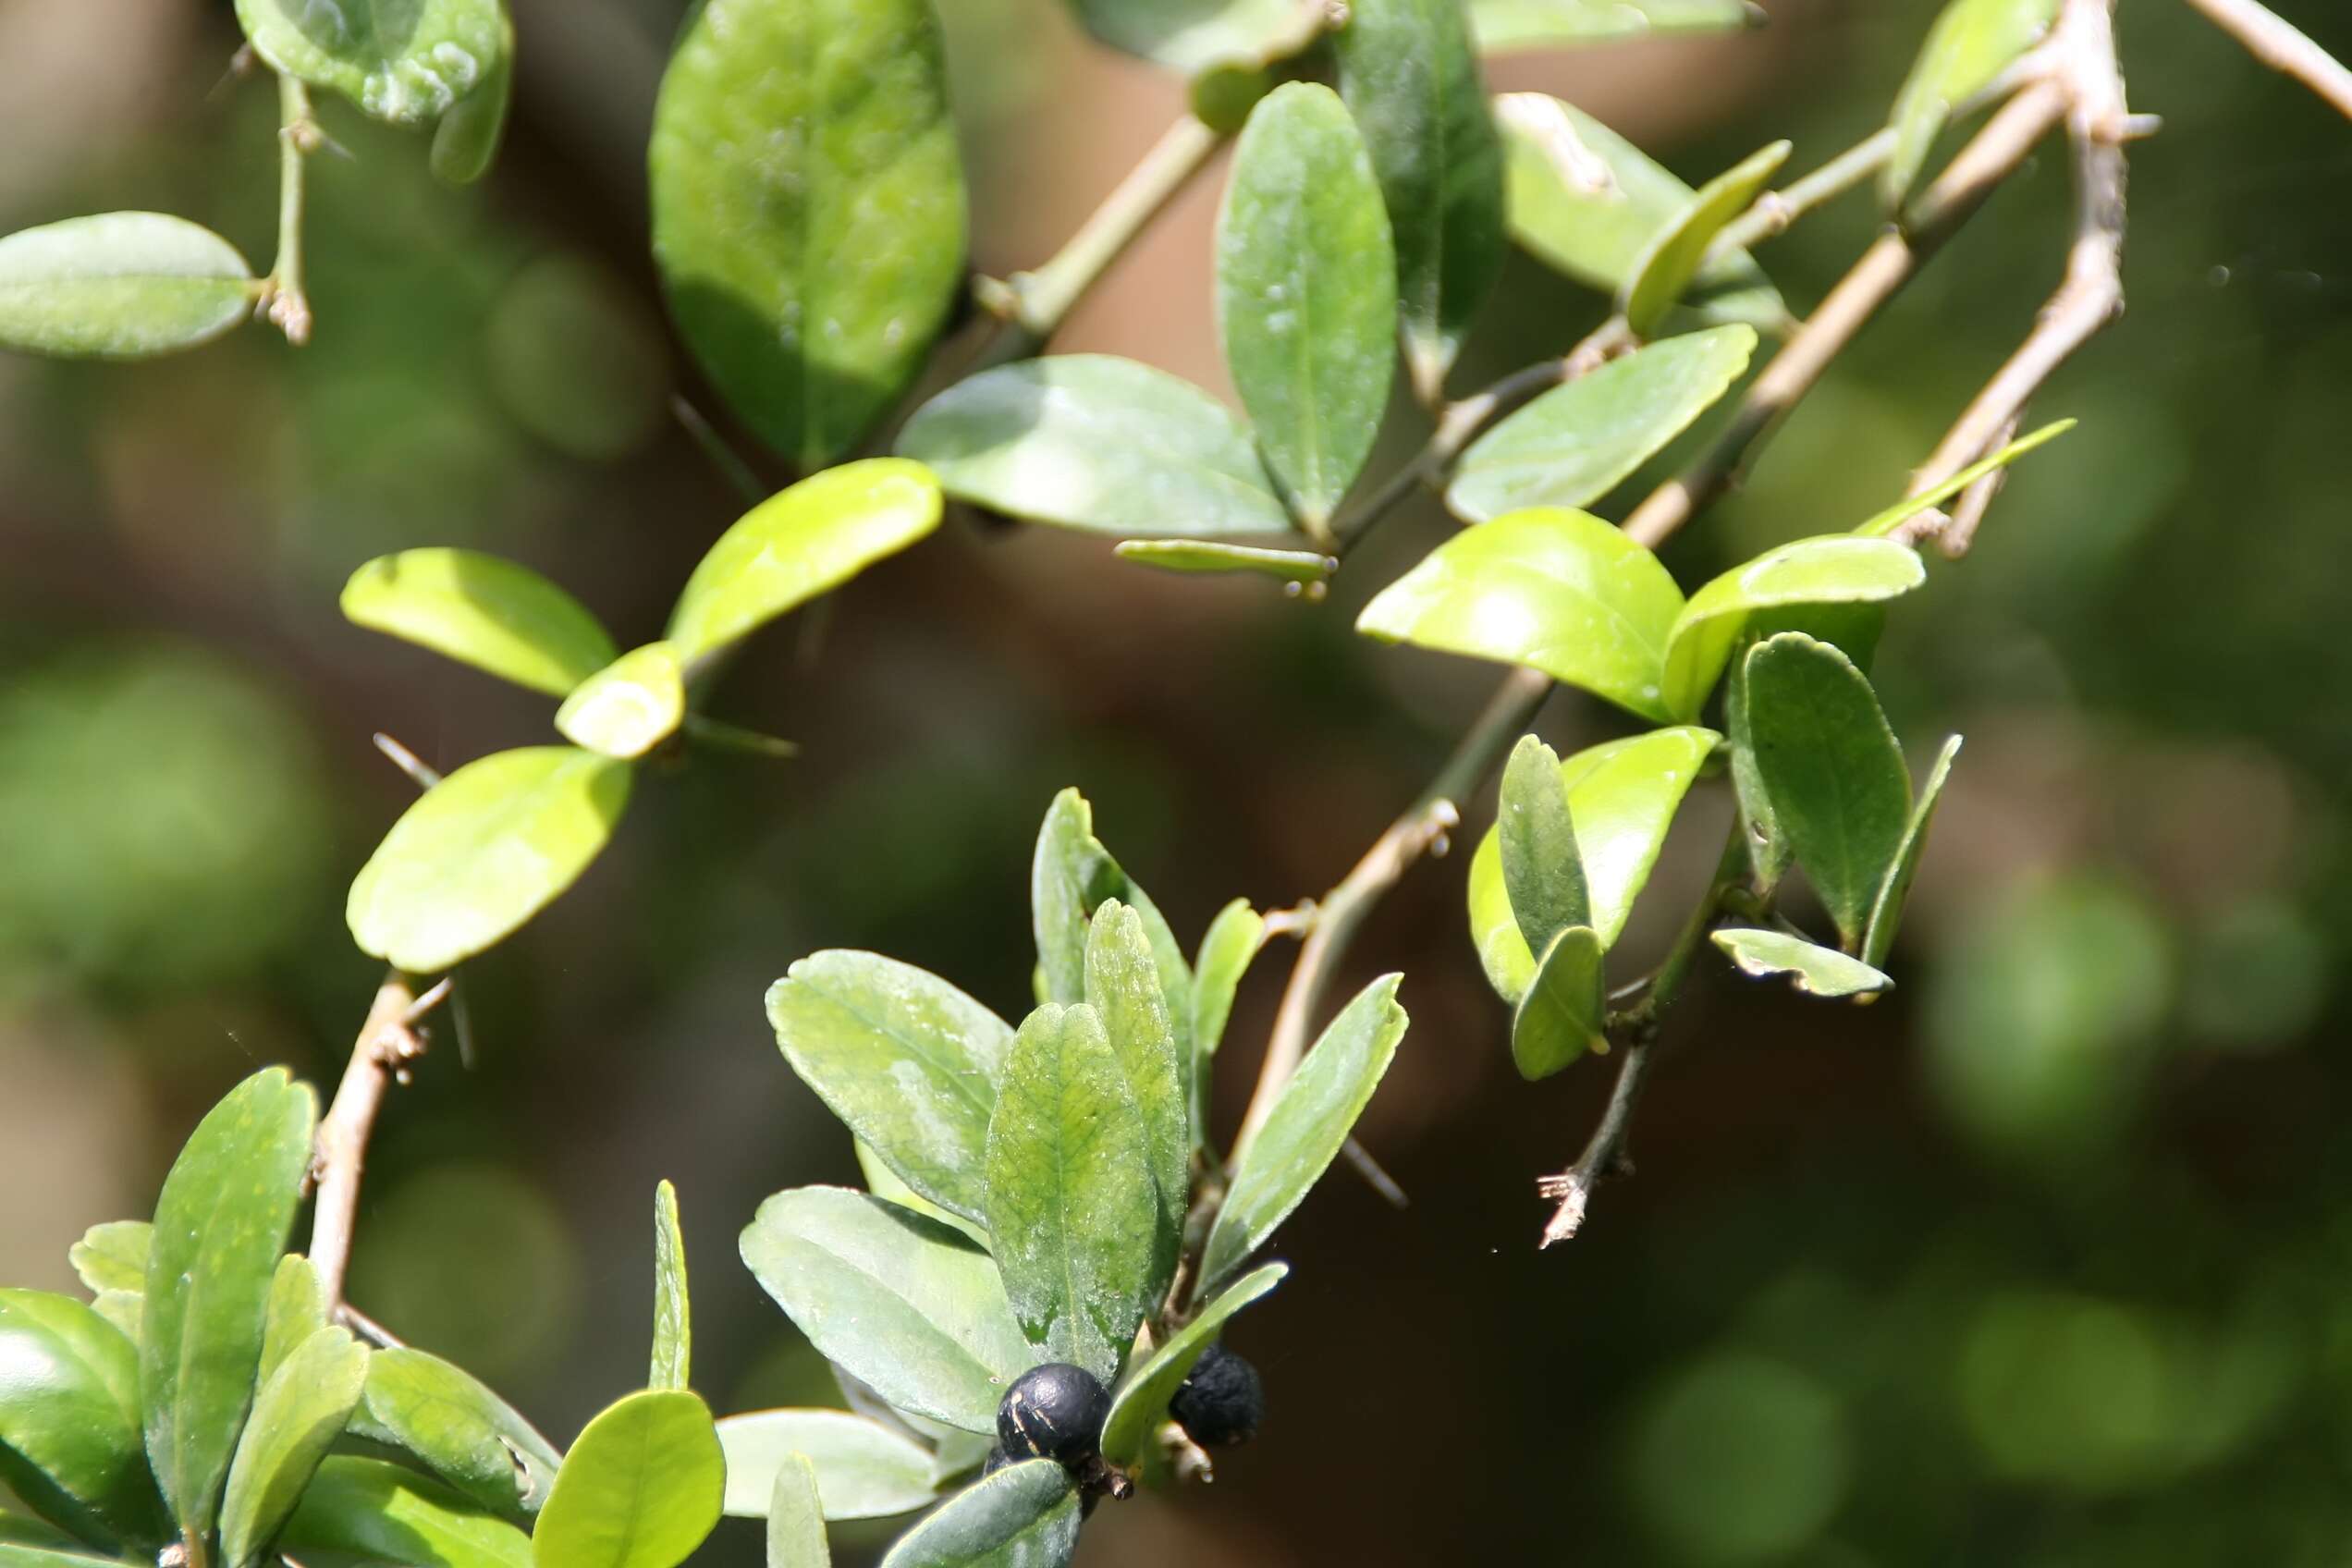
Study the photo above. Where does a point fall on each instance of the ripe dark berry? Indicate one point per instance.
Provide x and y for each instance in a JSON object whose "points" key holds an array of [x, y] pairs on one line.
{"points": [[1055, 1411], [997, 1459], [1221, 1403]]}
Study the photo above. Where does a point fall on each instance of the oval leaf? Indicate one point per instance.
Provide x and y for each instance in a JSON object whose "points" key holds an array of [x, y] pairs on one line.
{"points": [[864, 1470], [113, 1256], [1123, 986], [628, 707], [1972, 43], [405, 61], [464, 1433], [1670, 263], [1095, 442], [1141, 1403], [795, 1519], [69, 1426], [1558, 591], [1852, 629], [359, 1512], [808, 209], [1504, 24], [1306, 568], [480, 610], [673, 1319], [1543, 876], [1837, 569], [1564, 1013], [483, 851], [640, 1488], [1886, 910], [1815, 970], [119, 285], [300, 1410], [1023, 1516]]}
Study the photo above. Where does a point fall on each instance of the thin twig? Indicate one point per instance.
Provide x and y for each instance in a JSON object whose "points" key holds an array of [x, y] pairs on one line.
{"points": [[2281, 45], [420, 773], [389, 1043], [283, 301]]}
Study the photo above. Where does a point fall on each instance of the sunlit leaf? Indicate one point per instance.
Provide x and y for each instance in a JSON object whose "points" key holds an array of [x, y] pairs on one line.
{"points": [[113, 1256], [1233, 939], [69, 1421], [1673, 259], [1142, 1400], [1910, 507], [365, 1512], [405, 61], [1563, 1015], [119, 285], [1203, 555], [462, 1431], [1123, 989], [1837, 569], [483, 611], [1543, 876], [673, 1318], [1023, 1516], [1538, 24], [1886, 909], [795, 1519], [640, 1488], [628, 707], [864, 1470], [1970, 45], [1813, 969], [298, 1411]]}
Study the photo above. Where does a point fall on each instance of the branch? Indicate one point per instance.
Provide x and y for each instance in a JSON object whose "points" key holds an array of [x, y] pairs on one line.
{"points": [[2279, 44], [388, 1045], [1774, 212], [282, 301]]}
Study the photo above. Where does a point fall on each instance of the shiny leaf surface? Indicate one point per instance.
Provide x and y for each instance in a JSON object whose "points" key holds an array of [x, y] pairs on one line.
{"points": [[483, 611]]}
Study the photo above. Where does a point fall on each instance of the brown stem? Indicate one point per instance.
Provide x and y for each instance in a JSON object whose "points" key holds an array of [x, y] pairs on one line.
{"points": [[388, 1042]]}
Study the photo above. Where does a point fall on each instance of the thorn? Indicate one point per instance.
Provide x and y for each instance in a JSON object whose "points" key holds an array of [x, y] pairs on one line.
{"points": [[406, 761], [1379, 1180]]}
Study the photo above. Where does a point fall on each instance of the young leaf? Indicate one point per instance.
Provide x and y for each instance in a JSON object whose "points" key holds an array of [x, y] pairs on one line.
{"points": [[1854, 629], [221, 1222], [1312, 1118], [1095, 442], [905, 1304], [808, 209], [1142, 1401], [628, 707], [113, 1256], [364, 1511], [1206, 556], [797, 543], [673, 1318], [1542, 873], [1671, 261], [466, 140], [905, 1060], [405, 65], [1832, 769], [480, 610], [863, 1469], [1232, 941], [298, 1309], [1972, 43], [1836, 569], [300, 1411], [1074, 1210], [1123, 986], [1410, 73], [1559, 591], [1563, 1014], [1910, 507], [119, 285], [69, 1426], [1193, 35], [1023, 1516], [462, 1432], [1886, 909], [640, 1488], [1306, 293], [1070, 878], [795, 1521], [1504, 24], [1817, 971]]}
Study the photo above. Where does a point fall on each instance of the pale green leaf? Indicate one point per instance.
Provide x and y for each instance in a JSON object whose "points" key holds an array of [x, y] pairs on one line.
{"points": [[1232, 941], [628, 707], [1673, 258], [1123, 986], [1142, 1400], [404, 61], [1197, 557], [889, 1185], [1193, 35], [640, 1488], [673, 1316], [1970, 45], [1070, 876], [1504, 24], [119, 285], [1836, 569], [113, 1256], [795, 1520], [467, 140], [863, 1469], [483, 611], [1813, 969]]}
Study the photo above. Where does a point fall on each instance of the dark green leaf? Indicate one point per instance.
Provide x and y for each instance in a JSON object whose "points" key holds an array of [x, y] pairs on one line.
{"points": [[1201, 555], [1538, 24], [404, 61], [1232, 941], [113, 1256], [628, 707], [1886, 909], [300, 1411], [1910, 507], [365, 1514], [1543, 876], [1972, 43], [1673, 259], [1123, 986], [1023, 1516], [464, 1433], [1141, 1403], [69, 1426], [466, 140], [298, 1309], [640, 1488], [808, 209], [795, 1521], [1836, 569], [1070, 878], [673, 1318], [864, 1470], [1193, 35], [1815, 970], [1562, 1015], [119, 285], [480, 610]]}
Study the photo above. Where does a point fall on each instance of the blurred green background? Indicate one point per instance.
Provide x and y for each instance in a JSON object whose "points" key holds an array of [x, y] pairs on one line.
{"points": [[2042, 1260]]}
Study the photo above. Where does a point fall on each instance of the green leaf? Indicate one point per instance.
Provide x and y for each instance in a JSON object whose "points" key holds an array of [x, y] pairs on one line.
{"points": [[221, 1222], [300, 1411], [28, 1542], [1543, 876], [464, 1433], [1307, 294], [1070, 876], [1886, 909], [1505, 25], [1311, 1119], [908, 1306], [1972, 43], [640, 1488], [34, 1555], [1910, 507], [365, 1512], [673, 1319], [1589, 203], [800, 542], [1832, 769], [1671, 261], [1815, 970], [1835, 569], [466, 141], [69, 1426], [1100, 443], [124, 1309], [1142, 1401], [886, 1183], [1559, 591], [298, 1309], [1023, 1516], [483, 851], [1853, 629], [1565, 1010], [808, 209], [1410, 73], [119, 285], [628, 707], [1307, 568], [402, 61], [1233, 939], [795, 1521], [1074, 1210], [1193, 35], [1576, 443], [113, 1256], [905, 1060], [1123, 986], [863, 1470], [480, 610]]}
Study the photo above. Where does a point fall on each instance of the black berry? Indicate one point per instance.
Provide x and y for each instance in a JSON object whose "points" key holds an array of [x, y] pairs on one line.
{"points": [[1055, 1412], [997, 1459], [1221, 1403]]}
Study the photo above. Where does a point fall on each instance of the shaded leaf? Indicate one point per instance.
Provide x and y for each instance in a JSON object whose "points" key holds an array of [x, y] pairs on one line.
{"points": [[628, 707], [1566, 1008], [863, 1470], [640, 1488], [405, 62], [483, 611], [29, 1554], [673, 1316], [1193, 35], [113, 1256], [19, 1531], [1813, 969], [1886, 909], [298, 1309], [1504, 24], [1070, 878], [363, 1513], [119, 285], [1970, 45], [463, 1432], [1835, 569], [300, 1411], [70, 1445], [1023, 1516], [1142, 1401], [1671, 261], [1853, 629], [1910, 507], [1543, 876], [795, 1521], [1190, 555], [1123, 986]]}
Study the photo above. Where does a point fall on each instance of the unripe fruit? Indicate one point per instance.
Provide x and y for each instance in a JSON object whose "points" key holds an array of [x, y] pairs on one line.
{"points": [[1221, 1403], [1054, 1411]]}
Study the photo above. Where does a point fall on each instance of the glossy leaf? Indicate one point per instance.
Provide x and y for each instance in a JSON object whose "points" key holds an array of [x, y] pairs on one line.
{"points": [[1193, 35], [1589, 203], [298, 1309], [463, 1433], [1670, 263], [69, 1421], [1023, 1516], [1231, 942], [905, 1060], [1074, 1210], [1203, 557], [403, 63], [300, 1411], [221, 1222], [673, 1316], [1410, 74], [1100, 443], [864, 1470], [483, 851], [795, 1519], [1970, 45], [907, 1304], [483, 611], [1813, 969], [1832, 769], [1311, 1119], [1566, 1010], [1070, 876], [119, 285], [1504, 24], [363, 1512], [1543, 876], [1306, 293], [1835, 569], [1559, 591], [1123, 986], [640, 1488], [628, 707], [800, 542], [1910, 507], [808, 209], [1142, 1401], [1576, 443], [466, 141], [113, 1256], [1886, 909]]}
